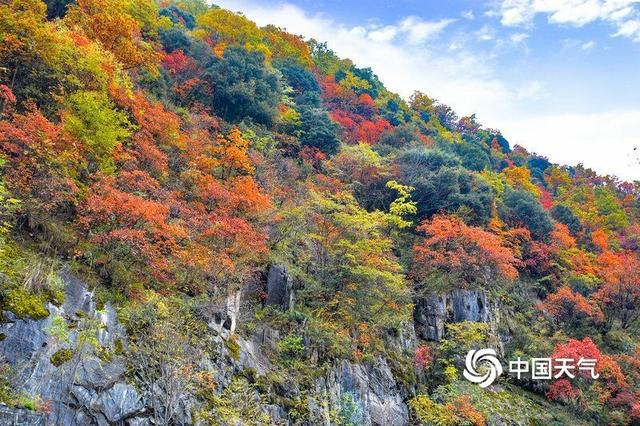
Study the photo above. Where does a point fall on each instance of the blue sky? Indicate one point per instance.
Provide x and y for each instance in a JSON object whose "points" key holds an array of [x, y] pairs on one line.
{"points": [[560, 77]]}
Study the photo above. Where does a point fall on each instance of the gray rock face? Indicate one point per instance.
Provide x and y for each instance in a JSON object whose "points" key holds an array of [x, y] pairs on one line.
{"points": [[17, 416], [139, 421], [470, 305], [251, 356], [430, 314], [88, 390], [268, 337], [364, 394], [278, 414], [433, 311], [280, 287], [92, 373], [22, 339], [224, 318], [119, 402], [83, 390]]}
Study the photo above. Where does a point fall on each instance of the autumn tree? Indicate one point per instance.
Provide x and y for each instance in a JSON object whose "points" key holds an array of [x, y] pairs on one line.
{"points": [[224, 27], [286, 47], [40, 163], [520, 178], [92, 119], [118, 25], [33, 55], [579, 389], [366, 174], [619, 295], [566, 306], [352, 282], [461, 256], [130, 232]]}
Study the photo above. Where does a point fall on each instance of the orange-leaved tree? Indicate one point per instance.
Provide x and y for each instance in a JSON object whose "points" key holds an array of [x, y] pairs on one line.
{"points": [[464, 256], [566, 306], [619, 295]]}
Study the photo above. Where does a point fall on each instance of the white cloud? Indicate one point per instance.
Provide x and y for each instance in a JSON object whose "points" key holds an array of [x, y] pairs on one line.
{"points": [[629, 29], [515, 12], [602, 141], [466, 80], [468, 14], [418, 30], [486, 33], [383, 34], [532, 90], [623, 14], [588, 45], [519, 37]]}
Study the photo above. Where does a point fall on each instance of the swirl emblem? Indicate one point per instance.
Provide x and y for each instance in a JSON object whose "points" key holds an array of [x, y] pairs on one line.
{"points": [[484, 356]]}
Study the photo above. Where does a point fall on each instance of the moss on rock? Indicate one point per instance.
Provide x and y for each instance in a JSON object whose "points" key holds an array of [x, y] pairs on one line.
{"points": [[61, 356]]}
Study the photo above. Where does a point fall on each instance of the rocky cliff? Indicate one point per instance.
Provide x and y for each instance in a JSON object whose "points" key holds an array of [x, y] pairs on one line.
{"points": [[53, 363]]}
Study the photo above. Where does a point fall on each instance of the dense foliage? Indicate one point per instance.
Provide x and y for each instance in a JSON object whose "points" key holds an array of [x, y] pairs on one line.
{"points": [[174, 150]]}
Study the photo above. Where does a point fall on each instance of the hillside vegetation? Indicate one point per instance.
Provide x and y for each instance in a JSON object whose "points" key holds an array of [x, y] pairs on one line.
{"points": [[169, 153]]}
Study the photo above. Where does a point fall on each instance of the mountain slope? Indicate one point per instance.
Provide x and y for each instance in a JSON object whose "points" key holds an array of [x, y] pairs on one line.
{"points": [[204, 221]]}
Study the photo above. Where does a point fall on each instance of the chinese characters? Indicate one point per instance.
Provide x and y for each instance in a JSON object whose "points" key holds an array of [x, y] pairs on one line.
{"points": [[548, 368]]}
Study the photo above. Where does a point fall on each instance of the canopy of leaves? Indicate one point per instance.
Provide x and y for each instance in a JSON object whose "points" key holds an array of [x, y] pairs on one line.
{"points": [[521, 208], [243, 87], [172, 152], [467, 255], [441, 185]]}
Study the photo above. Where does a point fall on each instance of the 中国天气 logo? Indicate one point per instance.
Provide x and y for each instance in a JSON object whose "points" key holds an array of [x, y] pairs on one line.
{"points": [[483, 367], [487, 358]]}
